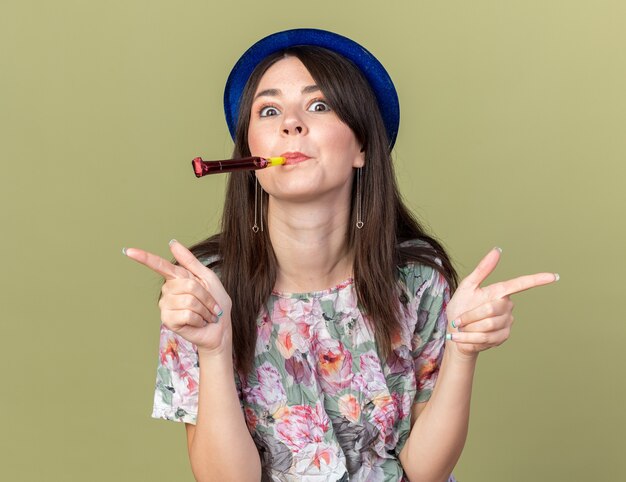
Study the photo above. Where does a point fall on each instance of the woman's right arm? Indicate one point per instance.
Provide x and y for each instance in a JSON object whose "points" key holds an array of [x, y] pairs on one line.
{"points": [[220, 445], [195, 306]]}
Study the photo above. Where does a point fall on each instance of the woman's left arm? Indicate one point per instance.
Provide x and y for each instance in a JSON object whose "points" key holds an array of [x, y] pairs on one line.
{"points": [[480, 318]]}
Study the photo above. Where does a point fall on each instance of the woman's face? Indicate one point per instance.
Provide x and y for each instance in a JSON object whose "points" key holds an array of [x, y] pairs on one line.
{"points": [[290, 117]]}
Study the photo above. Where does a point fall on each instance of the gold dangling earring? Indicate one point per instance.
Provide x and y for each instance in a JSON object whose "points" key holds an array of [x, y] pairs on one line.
{"points": [[261, 211], [255, 226], [359, 219]]}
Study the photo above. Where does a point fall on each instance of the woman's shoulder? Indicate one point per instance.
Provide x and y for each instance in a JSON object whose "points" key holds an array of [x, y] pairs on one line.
{"points": [[424, 246], [209, 260], [213, 262], [418, 254], [416, 267], [207, 252], [417, 242]]}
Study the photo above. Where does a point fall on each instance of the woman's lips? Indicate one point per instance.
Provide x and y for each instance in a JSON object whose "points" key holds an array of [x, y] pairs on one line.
{"points": [[294, 157]]}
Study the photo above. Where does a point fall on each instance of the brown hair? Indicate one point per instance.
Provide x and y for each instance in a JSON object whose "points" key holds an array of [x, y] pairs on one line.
{"points": [[246, 260]]}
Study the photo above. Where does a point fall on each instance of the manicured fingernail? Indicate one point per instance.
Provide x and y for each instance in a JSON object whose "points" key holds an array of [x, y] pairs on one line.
{"points": [[218, 311], [172, 241], [124, 251], [556, 277], [449, 336], [454, 324], [498, 248]]}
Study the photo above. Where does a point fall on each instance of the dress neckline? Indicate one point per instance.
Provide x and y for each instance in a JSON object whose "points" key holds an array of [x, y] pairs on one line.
{"points": [[315, 294]]}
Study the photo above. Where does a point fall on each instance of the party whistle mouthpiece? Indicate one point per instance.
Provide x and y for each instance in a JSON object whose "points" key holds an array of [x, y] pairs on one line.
{"points": [[202, 168]]}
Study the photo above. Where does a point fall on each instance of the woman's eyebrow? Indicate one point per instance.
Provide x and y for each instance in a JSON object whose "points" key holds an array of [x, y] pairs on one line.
{"points": [[268, 93], [310, 88], [277, 92]]}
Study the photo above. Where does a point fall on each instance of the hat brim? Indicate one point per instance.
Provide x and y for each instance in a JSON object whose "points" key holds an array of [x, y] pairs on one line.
{"points": [[371, 68]]}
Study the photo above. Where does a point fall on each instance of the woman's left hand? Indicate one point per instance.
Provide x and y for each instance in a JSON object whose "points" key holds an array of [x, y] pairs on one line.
{"points": [[481, 317]]}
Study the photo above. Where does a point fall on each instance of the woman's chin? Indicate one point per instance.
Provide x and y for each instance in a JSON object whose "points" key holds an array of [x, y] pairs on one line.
{"points": [[295, 195]]}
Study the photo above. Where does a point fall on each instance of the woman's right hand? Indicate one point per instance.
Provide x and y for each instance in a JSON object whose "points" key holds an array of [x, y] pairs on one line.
{"points": [[194, 303]]}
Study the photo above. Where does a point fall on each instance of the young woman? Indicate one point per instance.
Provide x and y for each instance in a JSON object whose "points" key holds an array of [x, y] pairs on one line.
{"points": [[321, 335]]}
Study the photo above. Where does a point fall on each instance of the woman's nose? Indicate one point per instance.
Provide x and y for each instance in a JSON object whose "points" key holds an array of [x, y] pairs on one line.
{"points": [[293, 125], [297, 129]]}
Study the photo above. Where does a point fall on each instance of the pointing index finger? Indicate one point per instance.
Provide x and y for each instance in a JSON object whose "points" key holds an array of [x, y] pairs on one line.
{"points": [[522, 283], [157, 264]]}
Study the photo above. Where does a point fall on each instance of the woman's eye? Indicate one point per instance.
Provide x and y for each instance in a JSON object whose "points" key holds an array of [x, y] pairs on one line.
{"points": [[319, 106], [268, 111]]}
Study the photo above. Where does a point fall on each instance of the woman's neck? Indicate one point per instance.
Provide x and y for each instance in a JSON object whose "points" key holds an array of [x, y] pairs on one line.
{"points": [[310, 244]]}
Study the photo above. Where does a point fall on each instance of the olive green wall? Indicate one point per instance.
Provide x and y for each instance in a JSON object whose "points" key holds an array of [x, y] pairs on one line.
{"points": [[512, 134]]}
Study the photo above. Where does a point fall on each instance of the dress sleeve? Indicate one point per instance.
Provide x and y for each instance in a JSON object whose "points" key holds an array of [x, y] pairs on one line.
{"points": [[432, 294], [178, 378], [178, 374]]}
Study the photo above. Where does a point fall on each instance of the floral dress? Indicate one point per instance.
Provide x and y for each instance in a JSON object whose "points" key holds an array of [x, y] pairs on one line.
{"points": [[319, 403]]}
